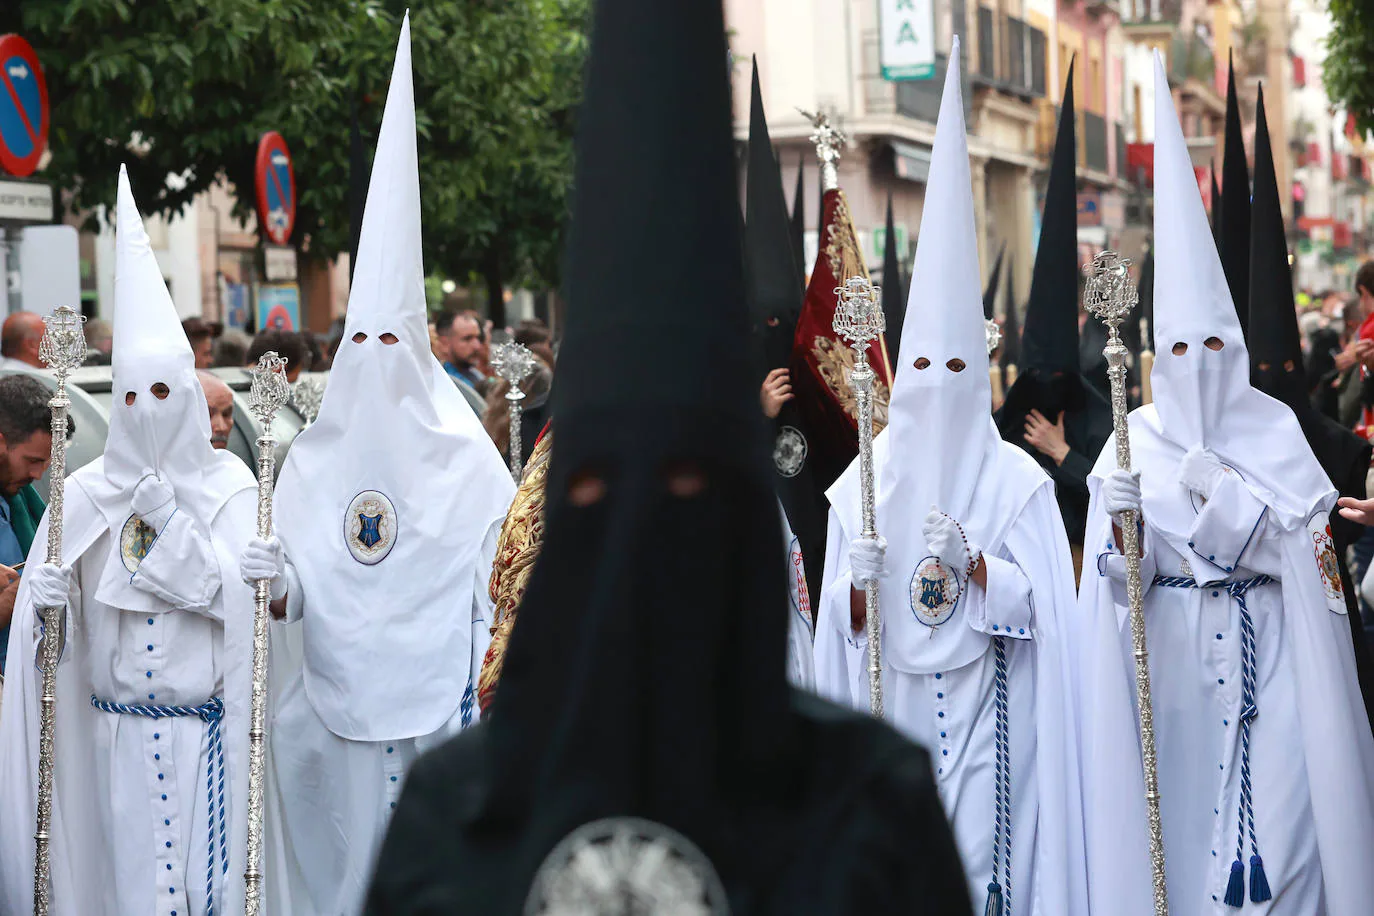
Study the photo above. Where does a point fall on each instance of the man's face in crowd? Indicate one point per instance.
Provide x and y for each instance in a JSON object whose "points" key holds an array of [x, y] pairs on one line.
{"points": [[464, 339], [204, 349], [221, 401], [24, 462]]}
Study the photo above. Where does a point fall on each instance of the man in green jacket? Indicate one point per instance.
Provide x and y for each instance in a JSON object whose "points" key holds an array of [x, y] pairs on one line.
{"points": [[25, 449]]}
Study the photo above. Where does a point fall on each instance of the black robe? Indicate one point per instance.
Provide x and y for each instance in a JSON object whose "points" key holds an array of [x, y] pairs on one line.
{"points": [[880, 845]]}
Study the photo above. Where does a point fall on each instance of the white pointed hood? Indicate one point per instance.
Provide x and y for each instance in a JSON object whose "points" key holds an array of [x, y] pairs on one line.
{"points": [[940, 446], [1202, 395], [385, 499], [171, 436]]}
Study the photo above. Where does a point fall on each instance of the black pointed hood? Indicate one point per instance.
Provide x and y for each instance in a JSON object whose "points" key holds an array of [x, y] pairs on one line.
{"points": [[1216, 207], [1049, 340], [646, 676], [1274, 341], [894, 290], [799, 222], [1011, 326], [770, 266], [1235, 215], [994, 283]]}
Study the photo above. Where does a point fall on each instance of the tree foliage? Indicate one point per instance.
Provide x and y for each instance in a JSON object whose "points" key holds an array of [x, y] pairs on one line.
{"points": [[1348, 71], [186, 88]]}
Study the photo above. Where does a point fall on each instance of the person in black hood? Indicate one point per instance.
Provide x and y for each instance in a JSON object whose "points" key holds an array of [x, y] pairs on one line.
{"points": [[1276, 368], [775, 302], [1052, 410], [644, 709]]}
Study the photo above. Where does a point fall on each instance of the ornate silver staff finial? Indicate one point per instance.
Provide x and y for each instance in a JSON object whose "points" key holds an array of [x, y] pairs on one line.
{"points": [[828, 139], [307, 396], [270, 390], [858, 316], [63, 348], [1110, 295], [514, 362], [859, 320], [1110, 292], [993, 332]]}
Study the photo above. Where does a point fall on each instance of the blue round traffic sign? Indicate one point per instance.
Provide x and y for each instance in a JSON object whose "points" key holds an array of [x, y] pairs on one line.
{"points": [[23, 107]]}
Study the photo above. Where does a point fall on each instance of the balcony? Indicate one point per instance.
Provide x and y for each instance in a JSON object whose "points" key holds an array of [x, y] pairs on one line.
{"points": [[920, 99], [1150, 11], [1011, 55], [1190, 59], [1120, 149], [1094, 129]]}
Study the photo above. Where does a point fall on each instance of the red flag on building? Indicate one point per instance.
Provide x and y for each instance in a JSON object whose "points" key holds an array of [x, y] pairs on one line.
{"points": [[820, 359]]}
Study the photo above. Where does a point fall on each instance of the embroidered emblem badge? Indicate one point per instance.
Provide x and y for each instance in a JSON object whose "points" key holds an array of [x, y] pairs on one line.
{"points": [[626, 865], [789, 451], [935, 592], [802, 602], [1325, 549], [135, 540], [370, 527]]}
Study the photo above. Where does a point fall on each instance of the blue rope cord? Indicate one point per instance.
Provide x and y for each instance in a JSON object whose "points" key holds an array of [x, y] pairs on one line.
{"points": [[999, 890], [1249, 710], [211, 713], [465, 706]]}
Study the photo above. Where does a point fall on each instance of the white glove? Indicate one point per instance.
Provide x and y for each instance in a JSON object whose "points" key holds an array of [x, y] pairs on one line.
{"points": [[264, 560], [49, 585], [1201, 472], [1121, 492], [867, 560], [153, 501], [947, 541]]}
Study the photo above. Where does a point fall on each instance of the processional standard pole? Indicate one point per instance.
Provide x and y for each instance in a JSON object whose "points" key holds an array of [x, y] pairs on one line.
{"points": [[859, 320], [269, 392], [63, 349], [514, 362], [1110, 295]]}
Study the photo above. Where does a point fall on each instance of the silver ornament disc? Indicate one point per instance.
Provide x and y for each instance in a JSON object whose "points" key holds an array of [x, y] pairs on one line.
{"points": [[789, 451], [625, 866]]}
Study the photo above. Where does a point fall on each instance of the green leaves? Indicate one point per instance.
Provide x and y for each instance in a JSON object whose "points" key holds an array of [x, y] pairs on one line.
{"points": [[1349, 64], [187, 88]]}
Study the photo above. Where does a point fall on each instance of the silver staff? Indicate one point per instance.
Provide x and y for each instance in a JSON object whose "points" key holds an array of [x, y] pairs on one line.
{"points": [[513, 362], [269, 392], [1110, 295], [62, 349], [859, 320]]}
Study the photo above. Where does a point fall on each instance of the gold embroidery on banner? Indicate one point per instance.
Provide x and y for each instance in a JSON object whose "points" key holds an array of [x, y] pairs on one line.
{"points": [[841, 246], [834, 360], [517, 547]]}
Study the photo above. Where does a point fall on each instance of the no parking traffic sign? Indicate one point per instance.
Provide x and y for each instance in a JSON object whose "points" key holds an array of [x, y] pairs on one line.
{"points": [[276, 186], [23, 107]]}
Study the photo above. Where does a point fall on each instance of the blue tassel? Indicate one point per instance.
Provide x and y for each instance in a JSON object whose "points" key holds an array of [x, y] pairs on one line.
{"points": [[1235, 888], [994, 907], [1259, 884]]}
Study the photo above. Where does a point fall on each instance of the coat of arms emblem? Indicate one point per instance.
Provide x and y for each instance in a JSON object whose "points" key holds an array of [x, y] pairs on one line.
{"points": [[935, 592], [370, 527]]}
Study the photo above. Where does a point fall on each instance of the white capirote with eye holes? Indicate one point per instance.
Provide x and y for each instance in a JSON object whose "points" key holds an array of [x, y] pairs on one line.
{"points": [[391, 423], [940, 447], [159, 421], [1201, 376]]}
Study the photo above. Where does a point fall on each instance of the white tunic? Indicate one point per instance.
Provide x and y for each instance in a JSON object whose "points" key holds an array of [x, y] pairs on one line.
{"points": [[1195, 641], [801, 666], [133, 812], [952, 713], [337, 794]]}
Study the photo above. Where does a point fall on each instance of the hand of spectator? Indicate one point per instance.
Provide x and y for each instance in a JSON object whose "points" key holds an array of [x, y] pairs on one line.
{"points": [[1360, 511], [1048, 438], [1364, 353], [9, 588], [776, 391]]}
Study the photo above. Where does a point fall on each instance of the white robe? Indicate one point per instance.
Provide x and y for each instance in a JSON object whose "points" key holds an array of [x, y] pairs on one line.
{"points": [[951, 712], [336, 794], [131, 829], [1311, 756]]}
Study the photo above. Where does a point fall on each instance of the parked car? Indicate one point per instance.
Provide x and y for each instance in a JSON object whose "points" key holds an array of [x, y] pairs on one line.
{"points": [[89, 389]]}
